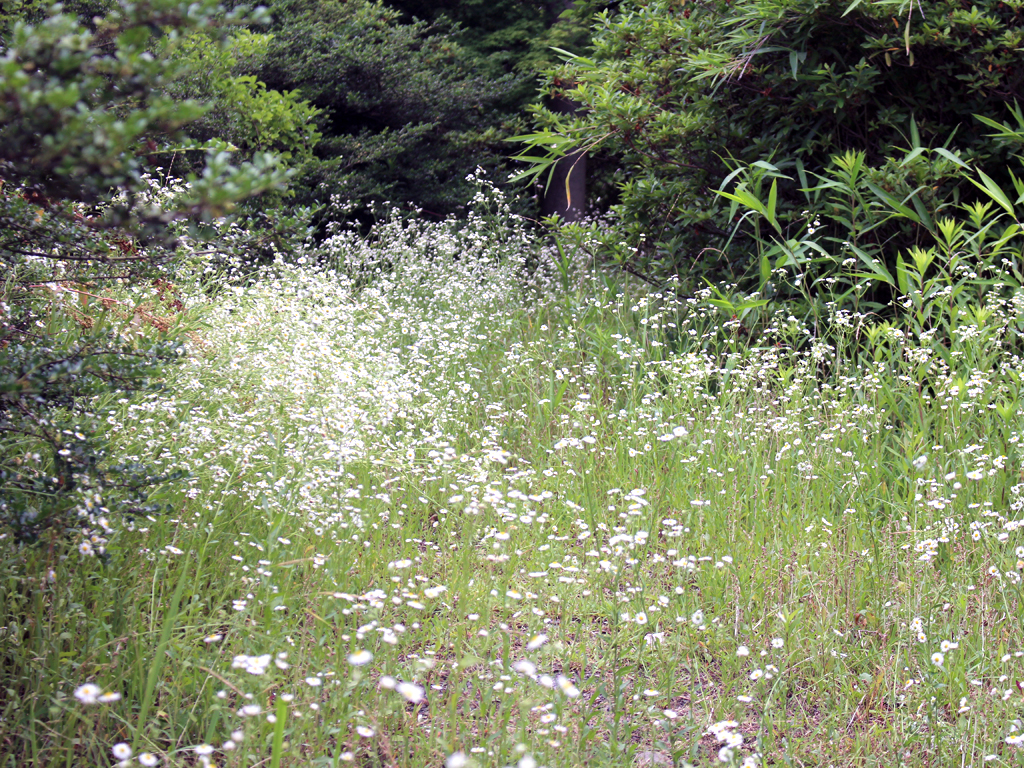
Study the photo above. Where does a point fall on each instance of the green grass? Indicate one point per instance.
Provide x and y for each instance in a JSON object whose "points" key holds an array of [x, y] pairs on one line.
{"points": [[581, 522]]}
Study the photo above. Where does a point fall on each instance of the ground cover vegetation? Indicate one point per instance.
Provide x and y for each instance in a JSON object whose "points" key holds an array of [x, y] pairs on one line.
{"points": [[456, 493], [436, 513]]}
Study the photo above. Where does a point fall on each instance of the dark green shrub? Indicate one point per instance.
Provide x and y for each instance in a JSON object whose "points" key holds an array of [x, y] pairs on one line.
{"points": [[681, 94], [404, 115], [83, 112]]}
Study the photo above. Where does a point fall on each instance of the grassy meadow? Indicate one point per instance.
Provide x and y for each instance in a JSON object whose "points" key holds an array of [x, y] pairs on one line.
{"points": [[440, 513]]}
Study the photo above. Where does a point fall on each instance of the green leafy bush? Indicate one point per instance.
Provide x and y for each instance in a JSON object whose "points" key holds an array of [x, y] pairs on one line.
{"points": [[683, 94], [83, 112], [243, 111]]}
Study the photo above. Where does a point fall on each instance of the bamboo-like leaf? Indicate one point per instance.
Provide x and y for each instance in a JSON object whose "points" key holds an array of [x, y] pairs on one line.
{"points": [[912, 154], [795, 58], [851, 7], [569, 56], [1018, 186], [901, 275], [817, 247], [773, 196], [990, 188], [730, 177], [543, 138], [951, 157], [531, 173], [922, 210], [744, 198], [1003, 131], [893, 203], [878, 269]]}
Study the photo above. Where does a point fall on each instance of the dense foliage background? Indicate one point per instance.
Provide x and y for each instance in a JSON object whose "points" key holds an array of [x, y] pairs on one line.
{"points": [[690, 98]]}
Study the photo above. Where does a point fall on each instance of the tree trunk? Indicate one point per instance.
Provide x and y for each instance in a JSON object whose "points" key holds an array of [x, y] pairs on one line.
{"points": [[568, 200]]}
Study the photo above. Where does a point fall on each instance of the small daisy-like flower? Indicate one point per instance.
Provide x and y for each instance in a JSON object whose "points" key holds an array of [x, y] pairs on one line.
{"points": [[88, 693], [671, 714], [148, 759], [565, 685], [204, 750], [976, 474], [360, 658], [121, 751], [387, 681], [86, 549], [213, 638], [778, 642], [697, 618], [409, 691], [313, 681], [536, 642], [640, 618], [456, 760], [938, 658], [948, 645], [108, 697], [365, 731], [743, 651], [525, 667]]}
